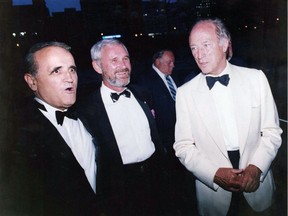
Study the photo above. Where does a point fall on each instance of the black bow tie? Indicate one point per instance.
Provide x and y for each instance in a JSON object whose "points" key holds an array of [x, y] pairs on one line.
{"points": [[70, 113], [116, 96], [224, 80]]}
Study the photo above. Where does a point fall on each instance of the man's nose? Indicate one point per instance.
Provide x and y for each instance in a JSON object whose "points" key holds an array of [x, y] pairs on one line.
{"points": [[69, 76], [201, 53]]}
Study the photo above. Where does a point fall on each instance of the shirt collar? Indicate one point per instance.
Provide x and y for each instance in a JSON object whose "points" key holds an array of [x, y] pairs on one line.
{"points": [[49, 109], [162, 75], [106, 93]]}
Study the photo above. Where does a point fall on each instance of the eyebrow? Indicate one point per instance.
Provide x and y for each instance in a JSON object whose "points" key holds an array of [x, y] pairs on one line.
{"points": [[55, 69], [73, 67]]}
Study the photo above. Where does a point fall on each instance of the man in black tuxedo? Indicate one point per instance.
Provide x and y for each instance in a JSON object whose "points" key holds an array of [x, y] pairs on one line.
{"points": [[53, 163], [162, 84], [130, 153]]}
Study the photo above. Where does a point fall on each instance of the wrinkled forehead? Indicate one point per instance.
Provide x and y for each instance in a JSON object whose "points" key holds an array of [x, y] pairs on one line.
{"points": [[50, 57]]}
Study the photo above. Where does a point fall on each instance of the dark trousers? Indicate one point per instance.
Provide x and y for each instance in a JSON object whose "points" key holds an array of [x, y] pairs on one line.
{"points": [[239, 205], [180, 186], [140, 192]]}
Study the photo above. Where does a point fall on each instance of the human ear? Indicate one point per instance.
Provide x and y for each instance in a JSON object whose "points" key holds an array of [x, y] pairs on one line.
{"points": [[96, 67], [31, 81], [225, 45], [157, 62]]}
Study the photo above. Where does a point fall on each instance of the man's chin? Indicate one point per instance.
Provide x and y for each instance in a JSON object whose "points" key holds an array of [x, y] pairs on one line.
{"points": [[122, 83], [69, 104]]}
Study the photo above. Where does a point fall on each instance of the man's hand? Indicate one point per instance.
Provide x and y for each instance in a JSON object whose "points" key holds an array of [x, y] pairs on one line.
{"points": [[250, 178], [229, 179]]}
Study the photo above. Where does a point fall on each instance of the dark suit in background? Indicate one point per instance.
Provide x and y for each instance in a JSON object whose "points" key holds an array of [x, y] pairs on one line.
{"points": [[163, 105], [154, 81]]}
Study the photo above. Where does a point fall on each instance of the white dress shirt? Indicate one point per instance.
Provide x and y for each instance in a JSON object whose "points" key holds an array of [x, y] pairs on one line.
{"points": [[223, 99], [78, 139], [130, 126]]}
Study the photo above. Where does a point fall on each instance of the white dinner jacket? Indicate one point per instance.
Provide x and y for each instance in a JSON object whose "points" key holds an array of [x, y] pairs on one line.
{"points": [[199, 142]]}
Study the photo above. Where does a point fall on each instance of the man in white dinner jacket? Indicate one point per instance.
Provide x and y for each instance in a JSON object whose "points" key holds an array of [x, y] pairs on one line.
{"points": [[227, 130]]}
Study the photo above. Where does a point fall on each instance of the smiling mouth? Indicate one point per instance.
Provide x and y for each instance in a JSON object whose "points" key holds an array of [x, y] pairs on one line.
{"points": [[122, 74]]}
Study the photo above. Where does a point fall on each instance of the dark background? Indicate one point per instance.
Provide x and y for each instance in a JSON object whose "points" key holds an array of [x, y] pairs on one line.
{"points": [[259, 37]]}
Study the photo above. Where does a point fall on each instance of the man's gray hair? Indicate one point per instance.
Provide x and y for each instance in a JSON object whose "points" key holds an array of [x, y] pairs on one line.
{"points": [[96, 50]]}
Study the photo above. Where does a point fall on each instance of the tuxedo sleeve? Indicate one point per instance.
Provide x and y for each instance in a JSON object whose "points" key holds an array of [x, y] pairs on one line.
{"points": [[270, 140]]}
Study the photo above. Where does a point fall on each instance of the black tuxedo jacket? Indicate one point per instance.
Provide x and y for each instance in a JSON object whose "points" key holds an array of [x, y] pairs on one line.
{"points": [[46, 177], [164, 106], [110, 165]]}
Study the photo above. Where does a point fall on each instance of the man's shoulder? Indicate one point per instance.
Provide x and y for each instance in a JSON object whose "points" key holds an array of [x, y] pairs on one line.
{"points": [[244, 69], [26, 111], [149, 75], [246, 73], [88, 99], [139, 91], [90, 107]]}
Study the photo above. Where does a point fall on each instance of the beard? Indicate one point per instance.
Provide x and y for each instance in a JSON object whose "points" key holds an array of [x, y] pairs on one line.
{"points": [[113, 80]]}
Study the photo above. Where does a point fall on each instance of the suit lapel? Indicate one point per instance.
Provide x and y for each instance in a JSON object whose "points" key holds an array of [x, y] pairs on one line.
{"points": [[52, 141], [153, 129], [207, 112], [103, 125], [161, 84], [241, 101], [150, 118]]}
